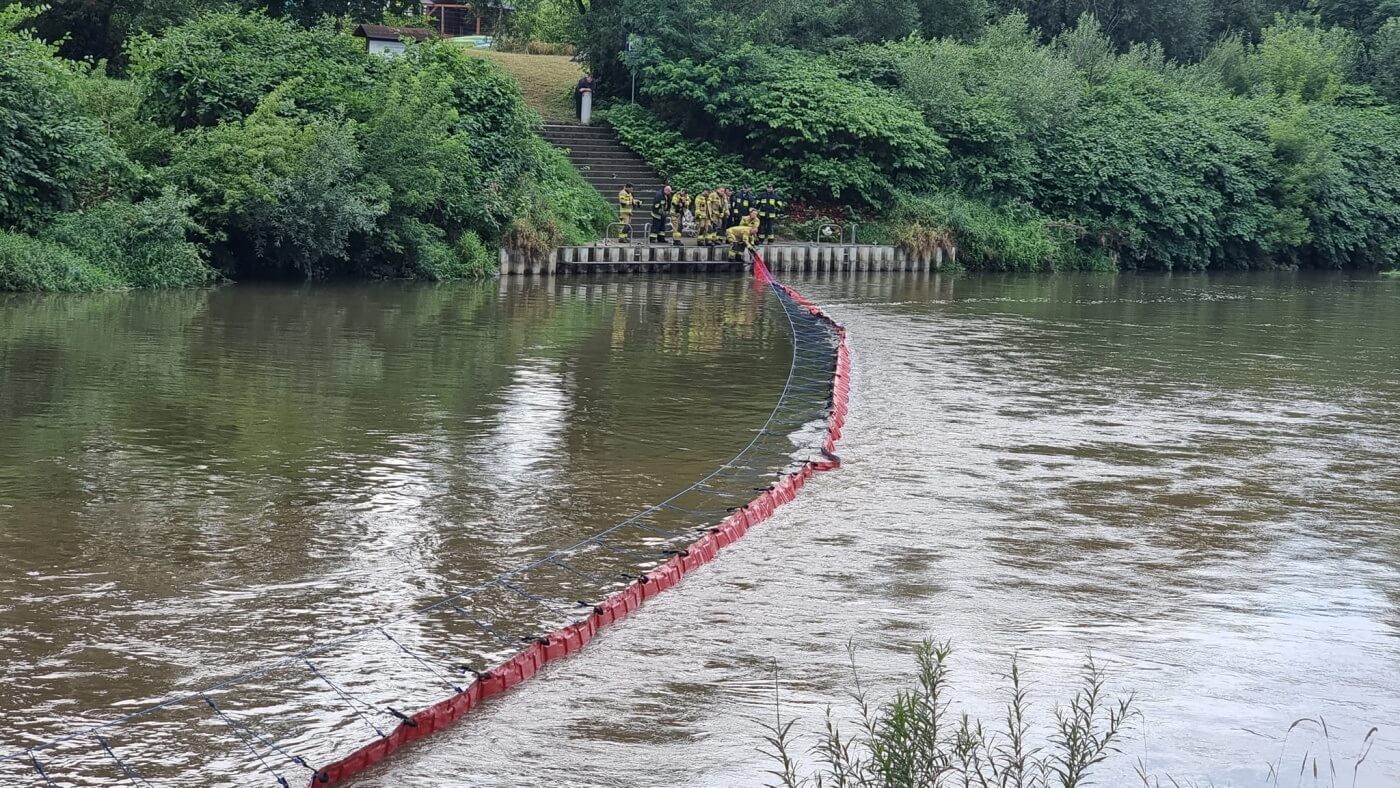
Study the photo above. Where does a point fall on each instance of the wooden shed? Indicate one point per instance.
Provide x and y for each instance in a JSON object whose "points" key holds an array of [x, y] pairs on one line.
{"points": [[385, 40]]}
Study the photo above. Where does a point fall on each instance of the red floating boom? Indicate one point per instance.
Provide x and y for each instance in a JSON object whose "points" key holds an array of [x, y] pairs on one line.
{"points": [[566, 641]]}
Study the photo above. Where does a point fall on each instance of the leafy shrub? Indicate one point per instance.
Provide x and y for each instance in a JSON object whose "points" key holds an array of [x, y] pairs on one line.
{"points": [[476, 258], [438, 262], [29, 264], [1166, 177], [142, 244], [435, 187], [535, 22], [682, 162], [116, 104], [492, 119], [985, 236], [913, 739], [279, 192], [53, 157], [994, 103], [1347, 186], [220, 65], [826, 134], [558, 190], [1385, 59], [1304, 60]]}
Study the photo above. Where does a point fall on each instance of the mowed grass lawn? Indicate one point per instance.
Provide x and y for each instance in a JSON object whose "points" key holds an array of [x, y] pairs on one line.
{"points": [[546, 81]]}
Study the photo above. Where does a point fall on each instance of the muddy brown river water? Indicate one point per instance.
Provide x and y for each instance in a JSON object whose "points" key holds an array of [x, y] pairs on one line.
{"points": [[1193, 478]]}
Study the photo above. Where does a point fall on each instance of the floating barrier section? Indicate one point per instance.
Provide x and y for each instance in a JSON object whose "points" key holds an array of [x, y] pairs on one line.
{"points": [[797, 442], [566, 641]]}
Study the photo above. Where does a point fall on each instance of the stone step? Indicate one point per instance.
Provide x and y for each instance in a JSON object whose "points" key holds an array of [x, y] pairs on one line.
{"points": [[609, 164], [574, 143], [577, 136], [634, 173], [603, 162], [572, 136], [599, 150], [576, 128]]}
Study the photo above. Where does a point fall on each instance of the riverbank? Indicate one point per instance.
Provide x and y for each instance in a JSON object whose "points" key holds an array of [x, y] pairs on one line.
{"points": [[236, 146]]}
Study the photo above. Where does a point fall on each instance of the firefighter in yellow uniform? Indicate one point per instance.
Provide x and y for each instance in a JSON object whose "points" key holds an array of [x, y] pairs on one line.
{"points": [[700, 207], [742, 235], [680, 202], [626, 203], [718, 209]]}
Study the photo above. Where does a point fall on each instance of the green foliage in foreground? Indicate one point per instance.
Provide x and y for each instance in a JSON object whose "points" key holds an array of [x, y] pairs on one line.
{"points": [[913, 740], [245, 146]]}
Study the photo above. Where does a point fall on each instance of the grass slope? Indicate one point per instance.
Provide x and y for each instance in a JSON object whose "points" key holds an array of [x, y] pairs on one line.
{"points": [[546, 81]]}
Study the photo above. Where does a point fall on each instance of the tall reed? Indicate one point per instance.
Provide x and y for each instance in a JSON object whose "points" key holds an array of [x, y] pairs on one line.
{"points": [[913, 741]]}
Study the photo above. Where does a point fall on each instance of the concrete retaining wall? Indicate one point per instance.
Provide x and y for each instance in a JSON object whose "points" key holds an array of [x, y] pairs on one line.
{"points": [[781, 258]]}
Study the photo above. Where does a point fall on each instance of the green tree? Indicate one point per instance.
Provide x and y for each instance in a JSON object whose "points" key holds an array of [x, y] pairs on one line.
{"points": [[53, 157], [280, 192], [964, 20], [1297, 57], [99, 29], [1385, 60], [219, 66]]}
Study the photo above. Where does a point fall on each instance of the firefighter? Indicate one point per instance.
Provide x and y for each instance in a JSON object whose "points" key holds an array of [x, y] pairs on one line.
{"points": [[660, 206], [741, 236], [719, 212], [746, 202], [723, 212], [702, 218], [737, 208], [626, 203], [680, 203], [770, 208]]}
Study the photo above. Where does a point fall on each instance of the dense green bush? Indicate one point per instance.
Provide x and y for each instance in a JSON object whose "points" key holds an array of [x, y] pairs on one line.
{"points": [[820, 130], [1385, 59], [53, 157], [558, 191], [682, 162], [986, 236], [255, 147], [31, 264], [141, 244], [279, 192], [541, 21], [219, 66]]}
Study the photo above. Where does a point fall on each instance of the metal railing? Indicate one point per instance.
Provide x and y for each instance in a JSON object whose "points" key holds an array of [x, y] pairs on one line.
{"points": [[833, 233]]}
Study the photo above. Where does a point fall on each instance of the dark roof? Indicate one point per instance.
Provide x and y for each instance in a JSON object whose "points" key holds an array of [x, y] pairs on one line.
{"points": [[386, 33]]}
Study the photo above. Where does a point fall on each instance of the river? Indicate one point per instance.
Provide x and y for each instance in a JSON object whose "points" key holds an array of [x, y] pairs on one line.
{"points": [[1192, 478]]}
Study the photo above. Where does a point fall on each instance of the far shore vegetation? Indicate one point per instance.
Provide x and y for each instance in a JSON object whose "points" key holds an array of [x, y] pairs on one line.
{"points": [[171, 146]]}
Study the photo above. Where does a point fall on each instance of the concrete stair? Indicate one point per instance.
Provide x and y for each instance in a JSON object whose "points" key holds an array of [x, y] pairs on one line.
{"points": [[603, 162]]}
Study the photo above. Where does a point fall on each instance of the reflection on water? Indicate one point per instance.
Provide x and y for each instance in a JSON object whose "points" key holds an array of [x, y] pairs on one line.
{"points": [[1192, 478], [193, 482]]}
